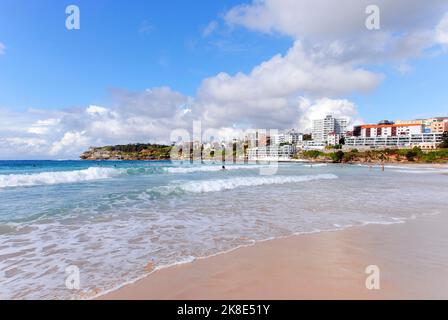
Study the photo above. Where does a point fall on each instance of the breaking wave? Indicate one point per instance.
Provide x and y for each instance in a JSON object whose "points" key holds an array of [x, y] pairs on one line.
{"points": [[57, 177], [210, 168], [233, 183]]}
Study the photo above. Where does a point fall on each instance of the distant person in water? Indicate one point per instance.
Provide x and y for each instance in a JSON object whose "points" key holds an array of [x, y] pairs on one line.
{"points": [[223, 168]]}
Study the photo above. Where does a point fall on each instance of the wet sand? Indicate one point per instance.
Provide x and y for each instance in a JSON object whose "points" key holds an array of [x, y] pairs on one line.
{"points": [[412, 257]]}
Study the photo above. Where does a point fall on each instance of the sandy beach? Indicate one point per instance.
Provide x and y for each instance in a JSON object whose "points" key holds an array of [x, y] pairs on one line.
{"points": [[412, 258]]}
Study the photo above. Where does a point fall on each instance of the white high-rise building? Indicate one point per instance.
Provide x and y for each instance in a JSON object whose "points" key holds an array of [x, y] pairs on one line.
{"points": [[323, 127], [290, 136]]}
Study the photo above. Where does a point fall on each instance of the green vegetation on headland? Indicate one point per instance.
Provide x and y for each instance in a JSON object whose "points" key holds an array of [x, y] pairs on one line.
{"points": [[387, 155], [137, 151]]}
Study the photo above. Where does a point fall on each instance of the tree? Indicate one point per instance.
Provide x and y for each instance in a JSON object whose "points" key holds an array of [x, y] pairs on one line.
{"points": [[413, 153], [312, 154], [337, 156], [410, 155], [444, 144]]}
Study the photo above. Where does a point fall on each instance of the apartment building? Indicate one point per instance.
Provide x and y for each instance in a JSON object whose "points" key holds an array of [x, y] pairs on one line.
{"points": [[323, 127], [422, 140], [258, 139], [439, 125], [290, 136], [271, 152], [387, 130]]}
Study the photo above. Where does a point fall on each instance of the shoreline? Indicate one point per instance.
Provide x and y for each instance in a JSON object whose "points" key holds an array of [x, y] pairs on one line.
{"points": [[306, 267], [306, 161]]}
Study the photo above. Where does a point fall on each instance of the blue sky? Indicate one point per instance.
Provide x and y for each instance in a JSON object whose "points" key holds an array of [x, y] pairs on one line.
{"points": [[134, 45], [148, 67], [419, 94]]}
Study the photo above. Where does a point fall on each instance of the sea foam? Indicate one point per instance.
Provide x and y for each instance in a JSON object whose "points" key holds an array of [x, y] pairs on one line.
{"points": [[210, 168], [57, 177], [233, 183]]}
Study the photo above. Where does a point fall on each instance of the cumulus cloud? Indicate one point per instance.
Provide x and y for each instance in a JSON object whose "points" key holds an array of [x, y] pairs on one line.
{"points": [[337, 29], [71, 142], [267, 96], [327, 19], [318, 109], [147, 116], [331, 50]]}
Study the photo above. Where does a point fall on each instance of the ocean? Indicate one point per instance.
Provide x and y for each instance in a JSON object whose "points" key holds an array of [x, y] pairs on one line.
{"points": [[117, 221]]}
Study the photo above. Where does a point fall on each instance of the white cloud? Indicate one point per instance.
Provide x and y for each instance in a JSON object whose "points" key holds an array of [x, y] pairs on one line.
{"points": [[328, 19], [96, 110], [147, 116], [26, 142], [21, 147], [2, 48], [71, 142], [337, 29], [404, 69], [442, 30], [313, 110], [268, 95], [293, 73], [210, 28], [42, 127]]}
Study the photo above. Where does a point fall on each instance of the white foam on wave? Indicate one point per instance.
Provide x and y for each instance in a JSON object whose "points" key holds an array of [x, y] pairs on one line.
{"points": [[233, 183], [421, 171], [409, 168], [315, 165], [209, 168], [57, 177]]}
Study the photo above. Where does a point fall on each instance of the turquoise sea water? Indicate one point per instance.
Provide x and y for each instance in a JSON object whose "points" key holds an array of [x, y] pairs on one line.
{"points": [[110, 219]]}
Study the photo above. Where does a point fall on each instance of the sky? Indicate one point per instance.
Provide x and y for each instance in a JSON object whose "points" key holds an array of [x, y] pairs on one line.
{"points": [[142, 71]]}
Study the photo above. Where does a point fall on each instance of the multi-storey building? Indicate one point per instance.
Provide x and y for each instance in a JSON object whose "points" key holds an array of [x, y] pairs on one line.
{"points": [[333, 139], [423, 140], [323, 127], [258, 139], [439, 125], [387, 130], [271, 152], [291, 137]]}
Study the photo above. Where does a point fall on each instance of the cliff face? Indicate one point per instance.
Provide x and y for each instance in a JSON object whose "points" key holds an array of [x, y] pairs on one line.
{"points": [[128, 152]]}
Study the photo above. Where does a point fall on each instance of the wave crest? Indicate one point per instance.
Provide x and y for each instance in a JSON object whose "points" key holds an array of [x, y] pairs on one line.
{"points": [[57, 177], [233, 183], [210, 168]]}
